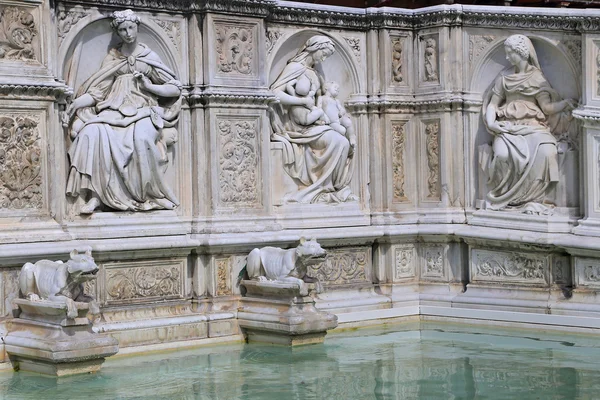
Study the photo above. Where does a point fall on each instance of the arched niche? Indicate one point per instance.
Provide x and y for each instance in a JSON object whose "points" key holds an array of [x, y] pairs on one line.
{"points": [[563, 75], [339, 67], [82, 52]]}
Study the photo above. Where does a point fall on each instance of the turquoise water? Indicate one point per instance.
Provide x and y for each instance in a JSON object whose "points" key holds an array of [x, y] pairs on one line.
{"points": [[398, 362]]}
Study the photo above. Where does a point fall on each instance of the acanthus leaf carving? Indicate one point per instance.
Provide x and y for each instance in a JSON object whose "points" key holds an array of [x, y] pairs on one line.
{"points": [[343, 266], [17, 31], [20, 162], [573, 49], [271, 38], [66, 21], [398, 148], [235, 49], [404, 262], [434, 261], [171, 28], [397, 49], [432, 145], [238, 162], [508, 266], [223, 288], [354, 44], [478, 44], [143, 282]]}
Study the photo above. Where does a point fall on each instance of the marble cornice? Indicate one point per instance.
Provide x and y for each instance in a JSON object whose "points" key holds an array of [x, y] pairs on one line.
{"points": [[452, 102], [58, 91], [197, 97], [256, 8], [589, 117]]}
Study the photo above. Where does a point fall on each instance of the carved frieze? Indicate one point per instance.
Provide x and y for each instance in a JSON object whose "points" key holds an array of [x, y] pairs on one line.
{"points": [[397, 75], [432, 148], [20, 162], [66, 21], [344, 266], [17, 32], [271, 38], [509, 267], [430, 59], [404, 261], [144, 281], [223, 267], [588, 272], [172, 29], [235, 49], [238, 162], [398, 155], [354, 44], [478, 44], [433, 262]]}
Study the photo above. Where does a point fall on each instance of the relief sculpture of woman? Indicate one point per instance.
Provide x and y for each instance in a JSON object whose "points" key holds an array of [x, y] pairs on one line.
{"points": [[318, 157], [121, 122], [523, 113]]}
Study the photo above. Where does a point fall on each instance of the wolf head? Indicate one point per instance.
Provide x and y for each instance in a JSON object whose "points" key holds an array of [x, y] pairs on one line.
{"points": [[310, 252], [81, 267]]}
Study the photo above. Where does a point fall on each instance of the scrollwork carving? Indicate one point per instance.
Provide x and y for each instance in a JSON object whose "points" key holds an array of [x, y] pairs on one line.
{"points": [[397, 75], [143, 282], [20, 162], [434, 261], [573, 49], [171, 28], [503, 266], [343, 266], [235, 49], [432, 145], [271, 38], [404, 258], [478, 44], [17, 31], [66, 20], [238, 162], [354, 44], [398, 148], [222, 266], [431, 60]]}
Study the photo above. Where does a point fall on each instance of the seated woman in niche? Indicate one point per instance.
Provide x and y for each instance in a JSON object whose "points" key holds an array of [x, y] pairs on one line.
{"points": [[123, 119], [316, 156], [522, 112]]}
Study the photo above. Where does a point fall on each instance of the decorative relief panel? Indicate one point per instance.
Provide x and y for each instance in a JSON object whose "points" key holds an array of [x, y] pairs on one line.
{"points": [[172, 29], [144, 281], [235, 49], [433, 262], [344, 266], [509, 267], [66, 21], [17, 33], [588, 272], [20, 162], [404, 261], [397, 75], [432, 147], [477, 46], [573, 49], [238, 162], [398, 155], [223, 270], [561, 270], [354, 44], [430, 59], [271, 38]]}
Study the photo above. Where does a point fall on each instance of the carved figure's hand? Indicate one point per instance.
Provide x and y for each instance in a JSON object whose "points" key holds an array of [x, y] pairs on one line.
{"points": [[144, 81], [309, 102], [570, 104], [73, 107], [498, 127], [33, 297]]}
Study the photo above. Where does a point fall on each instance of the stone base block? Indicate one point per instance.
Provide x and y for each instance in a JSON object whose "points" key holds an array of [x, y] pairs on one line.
{"points": [[276, 313]]}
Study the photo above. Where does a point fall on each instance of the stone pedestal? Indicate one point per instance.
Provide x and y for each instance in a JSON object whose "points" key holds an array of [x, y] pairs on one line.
{"points": [[276, 313], [45, 341]]}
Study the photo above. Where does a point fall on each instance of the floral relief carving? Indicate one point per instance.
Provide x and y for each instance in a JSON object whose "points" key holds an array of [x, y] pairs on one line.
{"points": [[238, 162], [573, 48], [20, 162], [144, 282], [235, 48], [271, 38], [397, 60], [222, 276], [434, 261], [431, 60], [592, 273], [66, 20], [17, 31], [432, 145], [404, 267], [478, 44], [343, 266], [503, 266], [354, 44], [172, 29], [398, 148]]}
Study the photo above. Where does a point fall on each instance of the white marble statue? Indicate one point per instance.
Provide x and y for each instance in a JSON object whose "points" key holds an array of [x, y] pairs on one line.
{"points": [[275, 264], [60, 282], [122, 121], [523, 113], [317, 156]]}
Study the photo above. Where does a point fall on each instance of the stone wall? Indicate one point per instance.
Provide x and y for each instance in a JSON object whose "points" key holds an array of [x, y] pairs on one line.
{"points": [[404, 212]]}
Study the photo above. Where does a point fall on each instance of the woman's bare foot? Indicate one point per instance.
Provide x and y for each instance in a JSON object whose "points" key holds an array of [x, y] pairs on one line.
{"points": [[90, 206]]}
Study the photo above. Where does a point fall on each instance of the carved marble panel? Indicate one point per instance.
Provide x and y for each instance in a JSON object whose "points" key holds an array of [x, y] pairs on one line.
{"points": [[9, 290], [398, 76], [588, 272], [398, 157], [430, 54], [21, 166], [143, 281], [239, 172], [432, 152], [223, 276], [344, 265], [433, 261], [509, 267], [561, 270], [18, 34], [405, 257], [236, 48]]}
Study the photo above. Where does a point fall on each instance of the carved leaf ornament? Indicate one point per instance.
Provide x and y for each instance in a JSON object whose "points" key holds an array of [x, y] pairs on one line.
{"points": [[512, 267], [134, 283], [17, 30], [234, 46]]}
